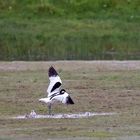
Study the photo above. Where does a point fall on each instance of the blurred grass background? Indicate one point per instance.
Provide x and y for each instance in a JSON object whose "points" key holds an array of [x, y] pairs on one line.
{"points": [[69, 29]]}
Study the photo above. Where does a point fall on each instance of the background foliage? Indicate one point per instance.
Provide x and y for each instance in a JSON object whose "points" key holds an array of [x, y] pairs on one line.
{"points": [[69, 29]]}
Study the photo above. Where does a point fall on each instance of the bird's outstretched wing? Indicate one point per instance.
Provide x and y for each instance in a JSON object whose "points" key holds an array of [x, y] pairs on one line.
{"points": [[55, 82]]}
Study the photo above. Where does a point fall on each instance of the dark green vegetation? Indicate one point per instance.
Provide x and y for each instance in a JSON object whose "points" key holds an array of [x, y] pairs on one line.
{"points": [[69, 29], [94, 86]]}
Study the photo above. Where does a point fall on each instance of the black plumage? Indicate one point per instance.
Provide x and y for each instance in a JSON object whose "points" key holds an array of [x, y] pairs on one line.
{"points": [[52, 72], [57, 85], [69, 100]]}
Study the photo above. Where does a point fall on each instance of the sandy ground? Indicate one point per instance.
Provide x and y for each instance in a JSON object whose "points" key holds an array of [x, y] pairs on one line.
{"points": [[70, 65]]}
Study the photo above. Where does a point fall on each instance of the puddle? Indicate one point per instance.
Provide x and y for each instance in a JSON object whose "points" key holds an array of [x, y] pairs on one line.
{"points": [[59, 116]]}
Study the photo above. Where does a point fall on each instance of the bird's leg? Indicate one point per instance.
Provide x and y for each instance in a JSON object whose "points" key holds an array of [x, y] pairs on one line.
{"points": [[49, 107]]}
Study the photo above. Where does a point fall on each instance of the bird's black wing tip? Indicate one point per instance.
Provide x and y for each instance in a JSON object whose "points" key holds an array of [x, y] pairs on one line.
{"points": [[69, 100], [52, 72]]}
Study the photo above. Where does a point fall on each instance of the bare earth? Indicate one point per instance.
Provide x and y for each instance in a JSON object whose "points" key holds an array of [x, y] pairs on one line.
{"points": [[70, 65], [95, 86]]}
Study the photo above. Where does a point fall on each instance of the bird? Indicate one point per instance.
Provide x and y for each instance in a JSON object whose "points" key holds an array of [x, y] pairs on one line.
{"points": [[55, 92]]}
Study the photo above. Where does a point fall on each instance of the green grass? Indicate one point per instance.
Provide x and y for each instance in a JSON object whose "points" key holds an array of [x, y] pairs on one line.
{"points": [[84, 29]]}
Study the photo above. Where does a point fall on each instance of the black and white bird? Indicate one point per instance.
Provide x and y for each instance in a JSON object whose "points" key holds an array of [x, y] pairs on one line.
{"points": [[55, 93]]}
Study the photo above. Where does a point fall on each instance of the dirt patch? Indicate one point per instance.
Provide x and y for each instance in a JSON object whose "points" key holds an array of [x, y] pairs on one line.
{"points": [[95, 86], [70, 65]]}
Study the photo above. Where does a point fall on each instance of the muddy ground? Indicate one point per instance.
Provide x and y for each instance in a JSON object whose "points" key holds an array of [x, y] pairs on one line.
{"points": [[95, 86]]}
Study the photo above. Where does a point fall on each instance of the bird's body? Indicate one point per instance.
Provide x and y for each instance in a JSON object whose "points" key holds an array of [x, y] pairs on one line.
{"points": [[64, 98], [54, 92]]}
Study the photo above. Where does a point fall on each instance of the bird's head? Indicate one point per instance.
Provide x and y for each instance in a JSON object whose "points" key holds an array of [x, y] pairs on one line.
{"points": [[62, 91]]}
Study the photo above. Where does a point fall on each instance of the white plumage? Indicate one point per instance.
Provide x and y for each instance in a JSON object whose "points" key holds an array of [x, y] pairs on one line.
{"points": [[53, 81], [55, 93]]}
